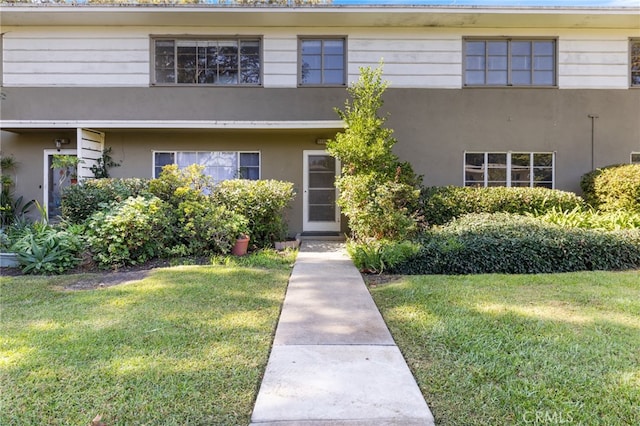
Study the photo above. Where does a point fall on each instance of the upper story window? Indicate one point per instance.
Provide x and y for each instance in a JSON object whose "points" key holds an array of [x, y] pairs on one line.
{"points": [[509, 169], [220, 61], [322, 62], [509, 62], [634, 60], [219, 165]]}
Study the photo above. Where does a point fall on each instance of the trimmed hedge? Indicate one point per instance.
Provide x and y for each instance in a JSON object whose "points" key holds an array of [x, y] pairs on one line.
{"points": [[513, 244], [79, 202], [613, 188], [442, 204]]}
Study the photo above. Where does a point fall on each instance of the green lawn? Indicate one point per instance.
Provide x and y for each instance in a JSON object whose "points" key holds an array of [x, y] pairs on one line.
{"points": [[186, 345], [521, 349]]}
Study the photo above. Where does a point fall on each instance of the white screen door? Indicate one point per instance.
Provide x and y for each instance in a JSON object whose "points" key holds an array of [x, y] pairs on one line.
{"points": [[321, 213]]}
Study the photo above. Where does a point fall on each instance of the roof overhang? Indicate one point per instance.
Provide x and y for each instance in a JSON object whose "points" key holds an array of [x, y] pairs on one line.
{"points": [[19, 126], [319, 16]]}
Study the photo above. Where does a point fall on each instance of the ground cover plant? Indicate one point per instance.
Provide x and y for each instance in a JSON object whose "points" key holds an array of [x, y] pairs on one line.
{"points": [[185, 345], [515, 244], [521, 349]]}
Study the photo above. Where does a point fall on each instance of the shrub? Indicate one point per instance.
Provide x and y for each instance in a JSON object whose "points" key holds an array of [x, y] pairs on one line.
{"points": [[79, 202], [206, 228], [613, 188], [513, 244], [593, 219], [376, 256], [262, 202], [45, 249], [175, 185], [442, 204], [134, 231], [378, 210]]}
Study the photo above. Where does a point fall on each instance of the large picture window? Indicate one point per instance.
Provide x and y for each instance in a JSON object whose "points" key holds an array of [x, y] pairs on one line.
{"points": [[509, 62], [322, 61], [219, 165], [634, 61], [509, 169], [207, 61]]}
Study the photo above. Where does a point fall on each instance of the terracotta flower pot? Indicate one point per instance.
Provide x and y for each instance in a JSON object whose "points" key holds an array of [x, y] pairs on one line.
{"points": [[241, 246]]}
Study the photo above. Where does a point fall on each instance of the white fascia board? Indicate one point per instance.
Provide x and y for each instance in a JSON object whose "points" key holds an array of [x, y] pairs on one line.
{"points": [[172, 124]]}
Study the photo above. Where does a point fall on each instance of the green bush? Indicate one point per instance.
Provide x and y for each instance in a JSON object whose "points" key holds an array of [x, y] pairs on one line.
{"points": [[613, 188], [441, 204], [207, 228], [593, 219], [262, 202], [175, 185], [378, 210], [514, 244], [45, 249], [377, 256], [131, 232], [79, 202]]}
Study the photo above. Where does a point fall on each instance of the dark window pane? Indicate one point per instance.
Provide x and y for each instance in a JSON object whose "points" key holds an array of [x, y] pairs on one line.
{"points": [[162, 159], [322, 213], [521, 48], [249, 159], [635, 157], [543, 160], [474, 77], [497, 48], [334, 77], [521, 78], [475, 48], [333, 47], [474, 159], [497, 160], [520, 159]]}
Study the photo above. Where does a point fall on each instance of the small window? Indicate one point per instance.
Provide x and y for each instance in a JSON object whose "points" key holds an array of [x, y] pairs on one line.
{"points": [[511, 169], [221, 62], [322, 62], [219, 165], [635, 158], [634, 60], [509, 62]]}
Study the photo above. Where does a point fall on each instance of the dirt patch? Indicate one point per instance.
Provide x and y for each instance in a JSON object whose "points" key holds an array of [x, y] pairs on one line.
{"points": [[108, 279], [374, 280]]}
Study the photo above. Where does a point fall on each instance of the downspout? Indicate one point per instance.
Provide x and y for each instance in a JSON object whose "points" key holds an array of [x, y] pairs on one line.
{"points": [[593, 140]]}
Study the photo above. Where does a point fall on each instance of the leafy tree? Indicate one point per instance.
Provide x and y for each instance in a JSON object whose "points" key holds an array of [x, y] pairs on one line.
{"points": [[378, 193]]}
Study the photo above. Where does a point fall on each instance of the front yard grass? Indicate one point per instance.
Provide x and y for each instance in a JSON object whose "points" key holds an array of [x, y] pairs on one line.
{"points": [[521, 349], [186, 345]]}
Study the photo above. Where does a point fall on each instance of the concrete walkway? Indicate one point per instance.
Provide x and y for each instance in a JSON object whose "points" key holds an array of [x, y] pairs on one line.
{"points": [[333, 360]]}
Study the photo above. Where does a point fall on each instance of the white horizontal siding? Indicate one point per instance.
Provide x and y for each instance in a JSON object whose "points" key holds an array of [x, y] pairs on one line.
{"points": [[593, 63], [419, 57], [75, 57], [428, 62], [280, 58]]}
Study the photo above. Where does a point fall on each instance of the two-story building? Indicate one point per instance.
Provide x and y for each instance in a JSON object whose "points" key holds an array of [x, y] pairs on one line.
{"points": [[518, 96]]}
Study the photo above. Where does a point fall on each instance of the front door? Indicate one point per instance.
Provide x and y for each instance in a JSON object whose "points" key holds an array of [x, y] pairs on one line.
{"points": [[55, 180], [321, 213]]}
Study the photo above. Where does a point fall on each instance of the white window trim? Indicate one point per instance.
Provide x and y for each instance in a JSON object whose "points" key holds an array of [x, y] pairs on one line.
{"points": [[345, 62], [508, 166], [175, 156]]}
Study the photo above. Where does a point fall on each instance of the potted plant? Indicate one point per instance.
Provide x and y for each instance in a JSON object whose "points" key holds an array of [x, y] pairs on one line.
{"points": [[240, 226], [67, 165]]}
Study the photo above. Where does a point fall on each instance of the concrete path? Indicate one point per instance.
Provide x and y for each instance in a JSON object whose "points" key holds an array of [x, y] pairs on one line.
{"points": [[333, 360]]}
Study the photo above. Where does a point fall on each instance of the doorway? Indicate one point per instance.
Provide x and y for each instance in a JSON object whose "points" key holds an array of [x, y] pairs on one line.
{"points": [[320, 210]]}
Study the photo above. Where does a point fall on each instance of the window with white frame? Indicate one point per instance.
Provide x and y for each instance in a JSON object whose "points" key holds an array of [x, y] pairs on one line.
{"points": [[509, 62], [635, 158], [212, 61], [634, 61], [322, 61], [219, 165], [509, 169]]}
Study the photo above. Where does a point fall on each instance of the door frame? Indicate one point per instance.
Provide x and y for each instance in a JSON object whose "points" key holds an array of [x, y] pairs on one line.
{"points": [[307, 225], [46, 170]]}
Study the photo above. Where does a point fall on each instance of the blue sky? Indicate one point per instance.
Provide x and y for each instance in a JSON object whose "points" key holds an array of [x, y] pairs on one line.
{"points": [[601, 3]]}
